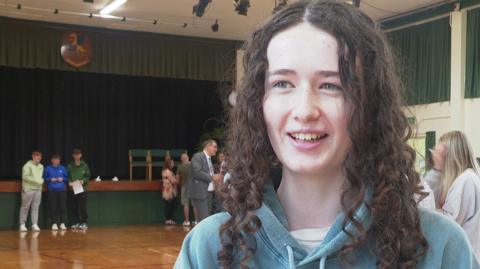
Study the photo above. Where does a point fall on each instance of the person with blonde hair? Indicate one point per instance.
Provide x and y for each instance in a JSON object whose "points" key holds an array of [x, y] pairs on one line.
{"points": [[456, 184]]}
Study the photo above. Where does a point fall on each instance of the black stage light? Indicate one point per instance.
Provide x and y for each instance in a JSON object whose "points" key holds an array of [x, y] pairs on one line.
{"points": [[215, 26], [241, 6], [199, 9]]}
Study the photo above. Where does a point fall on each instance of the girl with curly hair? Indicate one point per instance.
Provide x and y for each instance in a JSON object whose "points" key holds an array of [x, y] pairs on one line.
{"points": [[321, 101]]}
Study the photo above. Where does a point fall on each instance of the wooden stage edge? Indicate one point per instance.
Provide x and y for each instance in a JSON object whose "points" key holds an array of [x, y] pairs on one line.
{"points": [[104, 185]]}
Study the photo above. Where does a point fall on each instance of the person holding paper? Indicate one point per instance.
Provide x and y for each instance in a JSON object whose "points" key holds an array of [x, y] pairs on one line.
{"points": [[55, 176], [79, 176]]}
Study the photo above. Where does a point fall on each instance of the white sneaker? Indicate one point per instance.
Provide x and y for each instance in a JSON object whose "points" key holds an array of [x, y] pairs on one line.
{"points": [[62, 226], [186, 223], [35, 228], [23, 228], [54, 227]]}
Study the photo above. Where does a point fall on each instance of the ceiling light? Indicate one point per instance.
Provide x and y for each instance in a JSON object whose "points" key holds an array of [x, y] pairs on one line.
{"points": [[215, 26], [199, 8], [112, 6]]}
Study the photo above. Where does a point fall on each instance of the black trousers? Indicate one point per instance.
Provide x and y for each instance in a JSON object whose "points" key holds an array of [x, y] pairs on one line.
{"points": [[80, 207], [170, 208], [57, 203]]}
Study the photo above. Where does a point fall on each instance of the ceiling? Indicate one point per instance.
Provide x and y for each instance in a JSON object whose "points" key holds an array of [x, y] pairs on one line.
{"points": [[172, 14]]}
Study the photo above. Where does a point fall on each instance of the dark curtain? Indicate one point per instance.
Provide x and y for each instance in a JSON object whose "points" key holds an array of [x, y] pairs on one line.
{"points": [[472, 80], [423, 54], [104, 115], [429, 145]]}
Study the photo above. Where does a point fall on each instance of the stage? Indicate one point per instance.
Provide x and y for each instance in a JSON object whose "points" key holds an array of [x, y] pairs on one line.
{"points": [[143, 246]]}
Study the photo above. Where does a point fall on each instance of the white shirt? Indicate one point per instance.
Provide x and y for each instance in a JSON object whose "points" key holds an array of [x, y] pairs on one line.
{"points": [[211, 187], [429, 201], [462, 202], [309, 239]]}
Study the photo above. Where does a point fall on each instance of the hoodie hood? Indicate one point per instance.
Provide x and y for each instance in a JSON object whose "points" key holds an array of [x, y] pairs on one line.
{"points": [[287, 248]]}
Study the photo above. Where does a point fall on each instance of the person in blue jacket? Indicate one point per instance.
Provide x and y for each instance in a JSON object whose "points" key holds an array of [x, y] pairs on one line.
{"points": [[321, 101], [56, 177]]}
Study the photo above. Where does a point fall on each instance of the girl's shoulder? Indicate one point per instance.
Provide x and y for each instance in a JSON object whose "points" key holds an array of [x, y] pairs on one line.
{"points": [[447, 242], [202, 243]]}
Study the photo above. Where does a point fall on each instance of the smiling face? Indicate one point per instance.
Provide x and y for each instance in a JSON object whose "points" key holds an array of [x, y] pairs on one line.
{"points": [[304, 106]]}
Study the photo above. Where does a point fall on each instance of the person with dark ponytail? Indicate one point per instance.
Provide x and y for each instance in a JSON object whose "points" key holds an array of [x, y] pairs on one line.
{"points": [[321, 102]]}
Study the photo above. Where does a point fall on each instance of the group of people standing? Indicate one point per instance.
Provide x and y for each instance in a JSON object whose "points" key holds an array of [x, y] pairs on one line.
{"points": [[58, 180], [198, 181]]}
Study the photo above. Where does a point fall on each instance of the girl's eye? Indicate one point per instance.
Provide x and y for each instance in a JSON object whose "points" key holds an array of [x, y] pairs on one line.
{"points": [[330, 86], [282, 84]]}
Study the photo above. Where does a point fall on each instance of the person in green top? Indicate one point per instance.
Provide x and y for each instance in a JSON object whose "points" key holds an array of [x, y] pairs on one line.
{"points": [[183, 176], [78, 171], [32, 182]]}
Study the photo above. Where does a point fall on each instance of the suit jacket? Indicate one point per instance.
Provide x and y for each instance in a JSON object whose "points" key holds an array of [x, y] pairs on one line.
{"points": [[200, 178]]}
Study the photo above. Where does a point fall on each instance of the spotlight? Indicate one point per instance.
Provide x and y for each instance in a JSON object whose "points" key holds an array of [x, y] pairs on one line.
{"points": [[241, 6], [90, 15], [199, 8], [184, 25], [19, 6], [55, 11], [155, 21], [215, 26], [124, 18]]}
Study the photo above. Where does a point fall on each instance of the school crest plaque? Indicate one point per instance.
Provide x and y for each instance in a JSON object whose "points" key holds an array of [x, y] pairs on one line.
{"points": [[76, 48]]}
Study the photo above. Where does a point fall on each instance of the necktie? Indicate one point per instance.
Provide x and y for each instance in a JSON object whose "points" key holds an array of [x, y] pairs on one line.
{"points": [[210, 166]]}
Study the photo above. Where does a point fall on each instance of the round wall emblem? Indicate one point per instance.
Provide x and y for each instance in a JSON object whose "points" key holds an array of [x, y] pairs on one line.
{"points": [[76, 48]]}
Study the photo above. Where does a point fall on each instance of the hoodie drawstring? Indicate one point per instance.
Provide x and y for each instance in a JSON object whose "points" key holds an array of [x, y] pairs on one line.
{"points": [[322, 262], [291, 259]]}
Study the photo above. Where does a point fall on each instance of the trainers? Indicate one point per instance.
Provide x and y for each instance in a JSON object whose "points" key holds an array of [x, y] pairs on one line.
{"points": [[186, 223], [62, 226], [83, 226], [35, 228], [23, 228], [75, 226], [54, 227], [194, 223]]}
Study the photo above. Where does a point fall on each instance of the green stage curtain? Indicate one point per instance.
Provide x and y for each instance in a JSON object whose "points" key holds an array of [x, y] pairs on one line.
{"points": [[28, 44], [472, 81], [423, 61], [429, 144]]}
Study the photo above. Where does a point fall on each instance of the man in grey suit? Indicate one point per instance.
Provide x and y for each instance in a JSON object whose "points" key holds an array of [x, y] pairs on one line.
{"points": [[202, 179]]}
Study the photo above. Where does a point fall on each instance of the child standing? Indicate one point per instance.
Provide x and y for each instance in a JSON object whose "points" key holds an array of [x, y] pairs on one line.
{"points": [[79, 171], [56, 177], [32, 181]]}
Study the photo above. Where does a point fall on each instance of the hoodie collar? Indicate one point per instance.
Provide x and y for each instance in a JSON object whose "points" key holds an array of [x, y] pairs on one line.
{"points": [[287, 248]]}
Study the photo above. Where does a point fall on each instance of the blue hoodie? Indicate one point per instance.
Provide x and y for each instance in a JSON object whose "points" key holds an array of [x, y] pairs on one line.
{"points": [[56, 172], [275, 248]]}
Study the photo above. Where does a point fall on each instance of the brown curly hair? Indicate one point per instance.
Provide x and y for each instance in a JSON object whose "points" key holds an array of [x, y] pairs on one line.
{"points": [[378, 129]]}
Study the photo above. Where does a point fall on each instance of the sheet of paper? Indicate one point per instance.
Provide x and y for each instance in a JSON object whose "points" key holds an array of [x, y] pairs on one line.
{"points": [[77, 187], [211, 187]]}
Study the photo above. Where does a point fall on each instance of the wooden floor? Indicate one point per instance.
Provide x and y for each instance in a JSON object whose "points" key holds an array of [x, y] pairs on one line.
{"points": [[99, 247]]}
